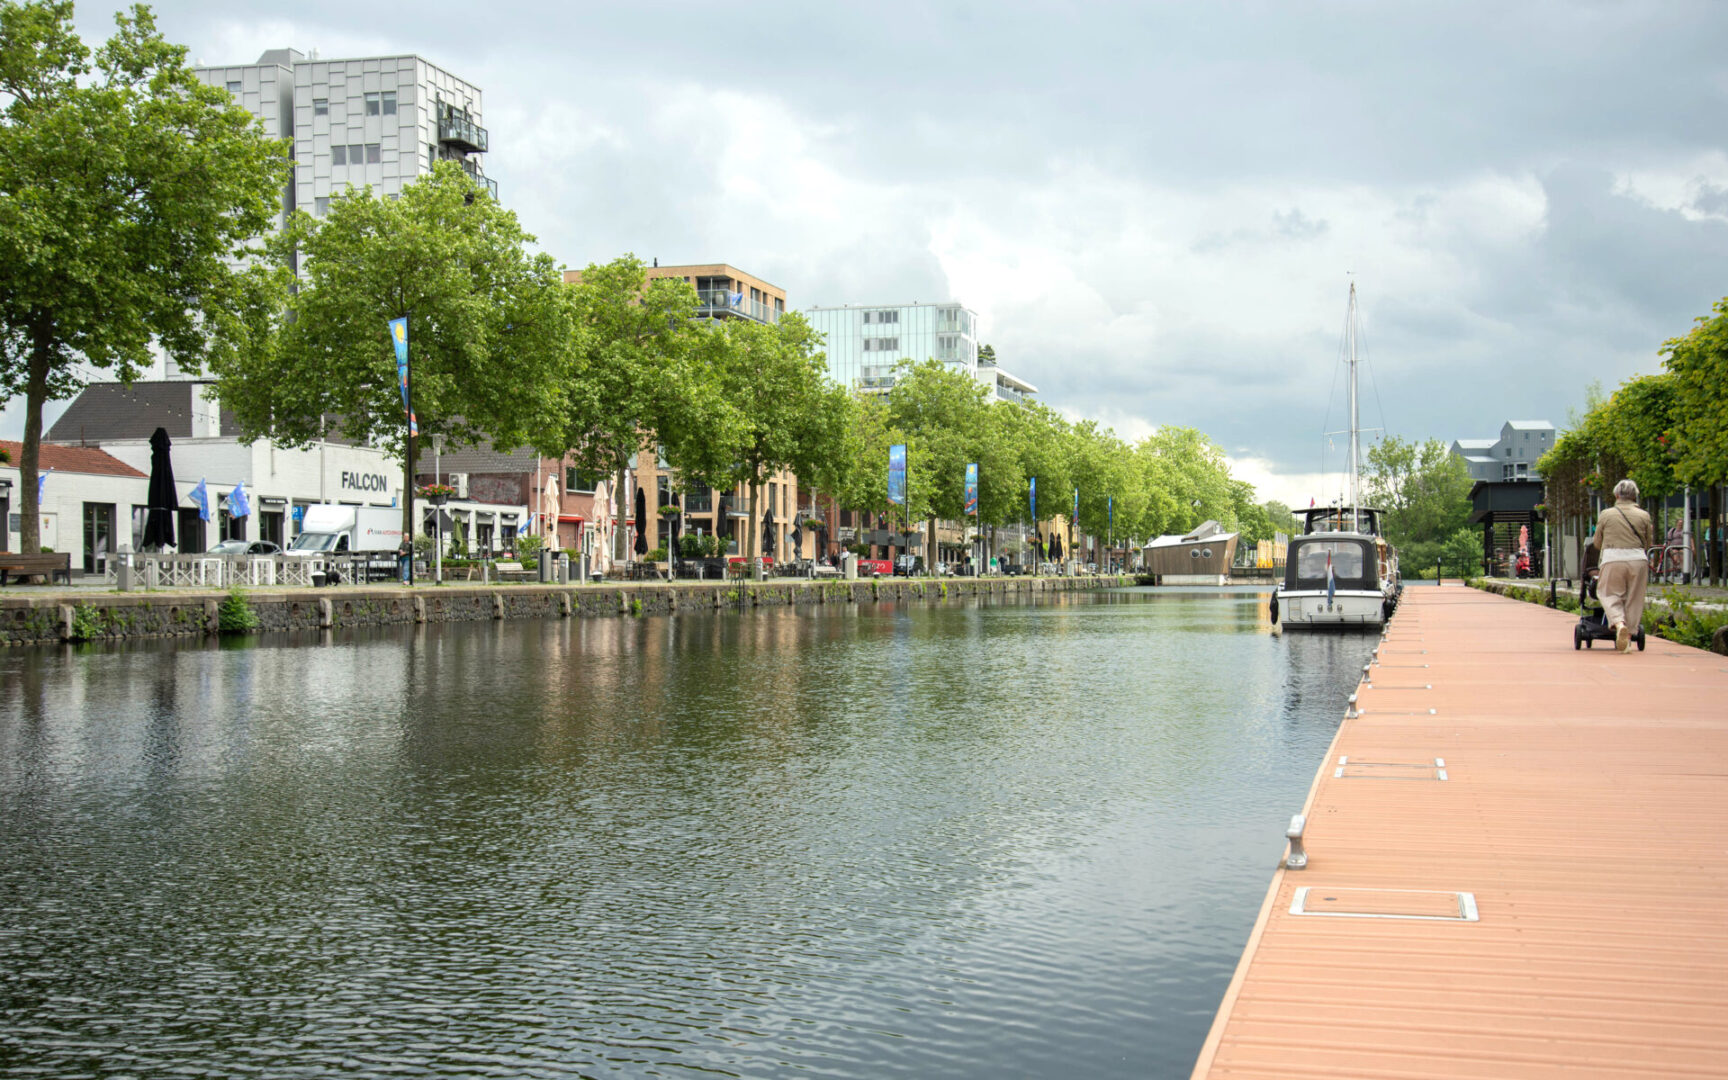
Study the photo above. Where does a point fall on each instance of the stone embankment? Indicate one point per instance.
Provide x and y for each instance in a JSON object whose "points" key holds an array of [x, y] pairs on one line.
{"points": [[60, 615]]}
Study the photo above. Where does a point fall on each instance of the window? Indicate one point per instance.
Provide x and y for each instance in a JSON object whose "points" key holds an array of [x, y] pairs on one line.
{"points": [[235, 86], [356, 153], [372, 105], [699, 499], [321, 205], [374, 153], [431, 155], [577, 480], [1346, 560], [390, 105], [881, 316], [339, 155], [882, 344], [779, 306], [320, 106]]}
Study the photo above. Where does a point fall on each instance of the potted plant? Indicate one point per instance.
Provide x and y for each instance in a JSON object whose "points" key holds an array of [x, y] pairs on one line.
{"points": [[436, 494]]}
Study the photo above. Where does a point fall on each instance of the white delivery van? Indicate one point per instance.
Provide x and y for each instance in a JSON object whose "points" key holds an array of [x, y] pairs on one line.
{"points": [[351, 530]]}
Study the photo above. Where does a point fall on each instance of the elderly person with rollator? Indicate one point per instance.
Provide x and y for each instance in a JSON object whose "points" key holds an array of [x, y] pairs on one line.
{"points": [[1624, 533]]}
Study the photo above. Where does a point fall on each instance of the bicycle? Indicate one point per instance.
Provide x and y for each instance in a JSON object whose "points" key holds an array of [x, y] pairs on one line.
{"points": [[1668, 563]]}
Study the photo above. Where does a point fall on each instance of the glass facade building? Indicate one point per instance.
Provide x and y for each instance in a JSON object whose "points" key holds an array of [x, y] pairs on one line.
{"points": [[865, 343]]}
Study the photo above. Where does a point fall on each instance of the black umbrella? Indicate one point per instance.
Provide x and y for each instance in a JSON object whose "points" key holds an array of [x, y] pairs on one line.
{"points": [[767, 533], [164, 498], [797, 537], [641, 521], [1055, 546]]}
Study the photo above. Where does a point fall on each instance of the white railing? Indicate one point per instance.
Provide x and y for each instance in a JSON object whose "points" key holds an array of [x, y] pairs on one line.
{"points": [[152, 571]]}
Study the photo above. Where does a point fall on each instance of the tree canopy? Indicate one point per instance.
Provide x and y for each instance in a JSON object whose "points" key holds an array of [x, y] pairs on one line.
{"points": [[129, 191]]}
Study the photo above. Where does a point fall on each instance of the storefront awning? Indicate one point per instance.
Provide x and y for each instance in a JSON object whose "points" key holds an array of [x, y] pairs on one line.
{"points": [[568, 518]]}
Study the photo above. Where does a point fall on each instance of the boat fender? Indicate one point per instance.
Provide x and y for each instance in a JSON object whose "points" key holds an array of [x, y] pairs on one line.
{"points": [[1274, 607]]}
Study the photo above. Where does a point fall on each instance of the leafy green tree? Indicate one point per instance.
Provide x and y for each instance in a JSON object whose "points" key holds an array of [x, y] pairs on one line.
{"points": [[1699, 363], [941, 410], [1424, 491], [490, 328], [1189, 478], [782, 411], [128, 192]]}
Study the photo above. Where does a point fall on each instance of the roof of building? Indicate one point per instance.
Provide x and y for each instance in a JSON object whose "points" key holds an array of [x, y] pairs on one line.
{"points": [[76, 459], [1476, 444], [480, 459], [109, 411], [1529, 425]]}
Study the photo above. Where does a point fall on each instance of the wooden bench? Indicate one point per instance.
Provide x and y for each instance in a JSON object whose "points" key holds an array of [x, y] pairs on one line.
{"points": [[513, 571], [57, 564]]}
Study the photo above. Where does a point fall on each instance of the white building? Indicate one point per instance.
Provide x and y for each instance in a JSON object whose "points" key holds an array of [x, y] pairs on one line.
{"points": [[87, 499], [378, 120], [280, 483], [864, 343], [1512, 456]]}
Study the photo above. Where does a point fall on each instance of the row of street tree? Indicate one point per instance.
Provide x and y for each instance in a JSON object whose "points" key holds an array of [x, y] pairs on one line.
{"points": [[1667, 432], [138, 210]]}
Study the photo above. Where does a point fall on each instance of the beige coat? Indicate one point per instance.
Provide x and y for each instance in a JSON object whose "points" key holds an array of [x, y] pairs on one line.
{"points": [[1624, 525]]}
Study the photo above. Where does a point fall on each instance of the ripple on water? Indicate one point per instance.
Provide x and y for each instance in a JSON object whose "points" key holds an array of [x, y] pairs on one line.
{"points": [[969, 840]]}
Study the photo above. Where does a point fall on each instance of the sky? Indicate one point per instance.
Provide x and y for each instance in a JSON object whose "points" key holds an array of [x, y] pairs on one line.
{"points": [[1156, 209]]}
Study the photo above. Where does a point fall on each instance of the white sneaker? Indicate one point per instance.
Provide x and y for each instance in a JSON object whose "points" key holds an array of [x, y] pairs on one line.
{"points": [[1622, 637]]}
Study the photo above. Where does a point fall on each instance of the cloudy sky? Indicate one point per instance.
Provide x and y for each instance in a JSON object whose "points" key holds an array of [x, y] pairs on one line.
{"points": [[1155, 208]]}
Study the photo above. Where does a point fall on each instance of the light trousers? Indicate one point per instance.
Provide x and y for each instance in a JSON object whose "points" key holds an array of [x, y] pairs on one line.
{"points": [[1621, 590]]}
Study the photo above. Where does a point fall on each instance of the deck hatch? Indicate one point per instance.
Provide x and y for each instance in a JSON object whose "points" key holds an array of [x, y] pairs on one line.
{"points": [[1390, 770], [1385, 904]]}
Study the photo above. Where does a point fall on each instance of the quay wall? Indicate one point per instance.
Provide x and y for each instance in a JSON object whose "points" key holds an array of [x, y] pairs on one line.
{"points": [[62, 616]]}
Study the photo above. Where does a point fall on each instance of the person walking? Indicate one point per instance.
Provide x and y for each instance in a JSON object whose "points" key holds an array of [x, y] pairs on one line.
{"points": [[1624, 535]]}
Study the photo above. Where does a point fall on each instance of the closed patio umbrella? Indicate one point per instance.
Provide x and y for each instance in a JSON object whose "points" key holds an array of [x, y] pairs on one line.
{"points": [[767, 533], [641, 545], [164, 499]]}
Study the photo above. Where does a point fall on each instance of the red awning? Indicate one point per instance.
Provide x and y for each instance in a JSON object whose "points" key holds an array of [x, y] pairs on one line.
{"points": [[577, 518]]}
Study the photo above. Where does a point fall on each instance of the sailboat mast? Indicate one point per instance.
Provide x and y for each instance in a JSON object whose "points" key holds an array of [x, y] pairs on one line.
{"points": [[1355, 420]]}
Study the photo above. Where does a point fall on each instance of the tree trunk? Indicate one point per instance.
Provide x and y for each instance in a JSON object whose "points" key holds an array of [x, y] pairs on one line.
{"points": [[29, 460]]}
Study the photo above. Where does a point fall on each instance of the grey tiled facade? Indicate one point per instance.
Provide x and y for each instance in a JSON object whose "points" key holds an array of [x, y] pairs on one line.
{"points": [[1512, 456], [376, 120]]}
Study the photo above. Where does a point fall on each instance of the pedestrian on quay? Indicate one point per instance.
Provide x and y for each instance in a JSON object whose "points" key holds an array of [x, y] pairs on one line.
{"points": [[405, 557], [1624, 535]]}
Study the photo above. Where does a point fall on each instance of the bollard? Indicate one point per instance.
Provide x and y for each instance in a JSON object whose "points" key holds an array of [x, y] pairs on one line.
{"points": [[1298, 855]]}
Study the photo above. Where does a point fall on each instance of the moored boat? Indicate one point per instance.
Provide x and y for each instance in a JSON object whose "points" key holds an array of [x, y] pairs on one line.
{"points": [[1340, 573]]}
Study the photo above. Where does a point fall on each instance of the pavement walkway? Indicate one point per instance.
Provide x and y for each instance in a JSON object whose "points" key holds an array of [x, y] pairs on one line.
{"points": [[1517, 865]]}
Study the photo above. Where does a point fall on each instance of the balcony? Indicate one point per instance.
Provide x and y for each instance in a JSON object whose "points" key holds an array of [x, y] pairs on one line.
{"points": [[473, 170], [718, 303], [456, 127]]}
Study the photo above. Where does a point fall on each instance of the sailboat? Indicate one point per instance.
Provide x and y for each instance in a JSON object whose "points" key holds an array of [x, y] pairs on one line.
{"points": [[1340, 573]]}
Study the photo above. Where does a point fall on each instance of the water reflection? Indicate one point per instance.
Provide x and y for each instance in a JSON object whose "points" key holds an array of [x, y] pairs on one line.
{"points": [[972, 840]]}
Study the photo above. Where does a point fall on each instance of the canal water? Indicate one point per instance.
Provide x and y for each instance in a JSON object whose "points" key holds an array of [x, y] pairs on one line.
{"points": [[959, 840]]}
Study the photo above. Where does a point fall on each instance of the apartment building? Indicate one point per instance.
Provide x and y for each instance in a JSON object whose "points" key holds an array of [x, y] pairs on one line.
{"points": [[374, 120], [864, 343], [1512, 456]]}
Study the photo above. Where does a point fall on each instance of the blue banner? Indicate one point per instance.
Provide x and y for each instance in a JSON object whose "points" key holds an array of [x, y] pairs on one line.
{"points": [[972, 489], [238, 506], [1032, 498], [399, 338], [1074, 522], [1112, 503], [897, 474], [200, 495], [41, 484]]}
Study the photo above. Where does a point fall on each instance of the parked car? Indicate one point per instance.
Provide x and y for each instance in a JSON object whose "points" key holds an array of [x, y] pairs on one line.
{"points": [[245, 547], [908, 565]]}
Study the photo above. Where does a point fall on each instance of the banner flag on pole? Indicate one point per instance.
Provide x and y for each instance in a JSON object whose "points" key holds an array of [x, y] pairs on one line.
{"points": [[1112, 504], [41, 481], [238, 506], [897, 474], [399, 338], [972, 489], [1032, 498], [1075, 520], [201, 496]]}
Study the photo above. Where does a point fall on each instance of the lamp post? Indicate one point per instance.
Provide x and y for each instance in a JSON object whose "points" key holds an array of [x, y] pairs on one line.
{"points": [[437, 513]]}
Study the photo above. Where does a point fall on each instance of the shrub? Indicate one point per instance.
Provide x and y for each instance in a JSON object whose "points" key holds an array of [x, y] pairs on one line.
{"points": [[235, 615], [528, 545], [691, 546], [87, 623], [657, 555], [1687, 623]]}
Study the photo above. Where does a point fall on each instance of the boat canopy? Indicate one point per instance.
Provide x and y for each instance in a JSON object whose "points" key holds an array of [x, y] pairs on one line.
{"points": [[1325, 519], [1354, 563]]}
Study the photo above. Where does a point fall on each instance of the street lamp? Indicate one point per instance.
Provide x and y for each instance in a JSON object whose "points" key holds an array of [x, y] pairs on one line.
{"points": [[437, 513]]}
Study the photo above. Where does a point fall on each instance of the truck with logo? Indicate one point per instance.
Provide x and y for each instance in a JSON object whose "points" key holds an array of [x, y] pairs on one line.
{"points": [[353, 540]]}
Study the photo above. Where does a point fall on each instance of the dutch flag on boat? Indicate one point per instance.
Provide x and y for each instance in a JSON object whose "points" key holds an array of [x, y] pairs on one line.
{"points": [[1331, 581]]}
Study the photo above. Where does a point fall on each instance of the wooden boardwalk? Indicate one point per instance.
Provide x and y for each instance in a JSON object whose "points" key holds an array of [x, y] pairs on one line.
{"points": [[1584, 812]]}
